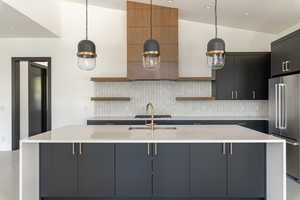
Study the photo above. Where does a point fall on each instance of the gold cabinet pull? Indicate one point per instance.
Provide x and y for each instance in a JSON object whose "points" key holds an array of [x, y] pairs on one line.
{"points": [[224, 149], [73, 148], [80, 149], [231, 148], [148, 149]]}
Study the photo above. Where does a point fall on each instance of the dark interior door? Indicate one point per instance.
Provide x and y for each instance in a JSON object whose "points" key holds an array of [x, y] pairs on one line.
{"points": [[36, 96], [247, 171], [171, 170], [133, 170], [58, 170], [96, 170], [208, 170]]}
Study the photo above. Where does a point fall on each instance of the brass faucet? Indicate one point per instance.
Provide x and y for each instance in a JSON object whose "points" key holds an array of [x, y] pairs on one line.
{"points": [[150, 110]]}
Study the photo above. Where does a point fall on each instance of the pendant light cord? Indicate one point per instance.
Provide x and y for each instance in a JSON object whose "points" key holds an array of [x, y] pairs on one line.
{"points": [[86, 19], [151, 10], [216, 18]]}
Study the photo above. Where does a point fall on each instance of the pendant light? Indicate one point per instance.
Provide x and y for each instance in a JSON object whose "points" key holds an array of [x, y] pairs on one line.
{"points": [[151, 55], [216, 47], [86, 49]]}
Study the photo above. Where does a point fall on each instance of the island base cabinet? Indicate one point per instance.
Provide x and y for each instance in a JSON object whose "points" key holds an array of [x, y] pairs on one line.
{"points": [[228, 171], [76, 170], [58, 170], [247, 170], [208, 170], [134, 170], [171, 170], [96, 170]]}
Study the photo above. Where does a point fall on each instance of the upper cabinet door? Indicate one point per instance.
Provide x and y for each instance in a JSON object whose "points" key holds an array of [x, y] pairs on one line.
{"points": [[208, 170], [285, 56], [247, 171], [96, 170], [277, 59], [244, 77], [58, 170], [133, 170], [171, 170], [243, 84], [225, 84]]}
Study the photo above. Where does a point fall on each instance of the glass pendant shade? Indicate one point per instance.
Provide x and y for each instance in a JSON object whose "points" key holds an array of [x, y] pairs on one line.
{"points": [[86, 55], [86, 64], [216, 54], [151, 56]]}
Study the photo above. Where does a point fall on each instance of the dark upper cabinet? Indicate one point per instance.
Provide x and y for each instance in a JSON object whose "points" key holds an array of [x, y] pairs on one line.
{"points": [[96, 170], [247, 170], [208, 170], [285, 56], [133, 170], [171, 170], [244, 77], [58, 170], [69, 170]]}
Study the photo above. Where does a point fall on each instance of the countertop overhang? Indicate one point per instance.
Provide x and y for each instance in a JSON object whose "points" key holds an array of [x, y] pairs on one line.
{"points": [[182, 134]]}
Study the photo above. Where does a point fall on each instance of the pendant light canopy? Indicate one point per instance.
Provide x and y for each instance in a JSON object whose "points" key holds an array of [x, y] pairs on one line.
{"points": [[86, 50], [151, 55], [216, 47]]}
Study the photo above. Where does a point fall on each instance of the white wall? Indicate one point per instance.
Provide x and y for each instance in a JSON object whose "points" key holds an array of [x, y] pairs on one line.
{"points": [[45, 13], [71, 87]]}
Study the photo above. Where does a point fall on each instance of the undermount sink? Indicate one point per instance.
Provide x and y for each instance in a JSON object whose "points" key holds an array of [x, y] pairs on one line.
{"points": [[149, 116], [155, 128]]}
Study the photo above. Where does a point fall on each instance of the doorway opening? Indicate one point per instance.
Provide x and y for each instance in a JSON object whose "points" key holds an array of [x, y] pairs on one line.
{"points": [[31, 97]]}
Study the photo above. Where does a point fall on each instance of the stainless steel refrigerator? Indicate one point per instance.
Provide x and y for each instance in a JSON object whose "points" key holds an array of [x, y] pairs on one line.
{"points": [[284, 117]]}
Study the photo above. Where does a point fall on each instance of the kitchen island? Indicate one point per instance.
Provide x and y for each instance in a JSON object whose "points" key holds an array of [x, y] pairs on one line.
{"points": [[127, 162]]}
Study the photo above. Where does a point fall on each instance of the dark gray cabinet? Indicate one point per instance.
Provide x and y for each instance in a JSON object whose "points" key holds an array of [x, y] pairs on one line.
{"points": [[58, 170], [134, 170], [96, 170], [208, 170], [244, 77], [247, 170], [72, 170], [285, 58], [171, 170], [228, 170], [152, 171], [146, 170]]}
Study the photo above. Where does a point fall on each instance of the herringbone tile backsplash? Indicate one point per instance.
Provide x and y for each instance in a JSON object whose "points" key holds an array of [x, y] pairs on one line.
{"points": [[163, 93]]}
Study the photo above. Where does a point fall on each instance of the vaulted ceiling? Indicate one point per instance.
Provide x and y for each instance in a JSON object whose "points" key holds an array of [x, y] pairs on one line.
{"points": [[270, 16]]}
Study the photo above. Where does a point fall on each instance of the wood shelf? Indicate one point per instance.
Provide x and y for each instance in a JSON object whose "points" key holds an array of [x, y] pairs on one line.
{"points": [[195, 98], [109, 79], [110, 99], [125, 79], [196, 79]]}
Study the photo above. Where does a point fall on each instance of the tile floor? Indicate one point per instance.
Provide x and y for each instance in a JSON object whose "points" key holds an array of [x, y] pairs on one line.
{"points": [[9, 164]]}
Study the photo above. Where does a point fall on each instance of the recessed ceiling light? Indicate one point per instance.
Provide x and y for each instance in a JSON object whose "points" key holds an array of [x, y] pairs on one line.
{"points": [[207, 6], [170, 1], [246, 13]]}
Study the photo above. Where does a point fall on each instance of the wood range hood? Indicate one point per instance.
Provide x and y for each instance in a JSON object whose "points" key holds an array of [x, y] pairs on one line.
{"points": [[165, 31]]}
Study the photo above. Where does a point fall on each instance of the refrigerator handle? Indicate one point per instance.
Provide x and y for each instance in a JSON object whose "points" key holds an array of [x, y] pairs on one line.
{"points": [[284, 106], [276, 106], [279, 106]]}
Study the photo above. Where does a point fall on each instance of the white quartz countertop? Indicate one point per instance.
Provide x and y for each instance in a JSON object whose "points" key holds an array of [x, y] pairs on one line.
{"points": [[132, 118], [182, 134]]}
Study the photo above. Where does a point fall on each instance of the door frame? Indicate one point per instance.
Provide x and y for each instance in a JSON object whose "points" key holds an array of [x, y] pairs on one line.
{"points": [[16, 96]]}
